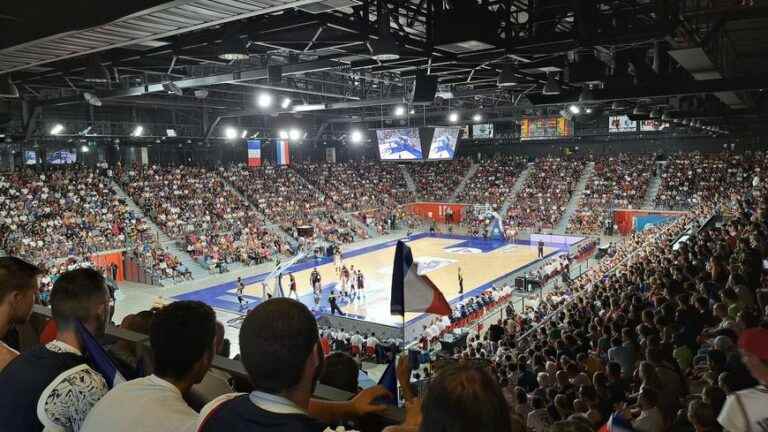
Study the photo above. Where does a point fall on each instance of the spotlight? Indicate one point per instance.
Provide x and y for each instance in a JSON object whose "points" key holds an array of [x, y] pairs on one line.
{"points": [[92, 99], [230, 133], [412, 111], [170, 132], [588, 110], [453, 117], [356, 136], [283, 134], [399, 111], [137, 131], [285, 103], [244, 134], [385, 47], [294, 134], [57, 129], [264, 100], [233, 49], [507, 76], [477, 118], [84, 149], [574, 109]]}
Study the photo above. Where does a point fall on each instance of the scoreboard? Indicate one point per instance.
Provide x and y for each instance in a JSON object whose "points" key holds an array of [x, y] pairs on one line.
{"points": [[539, 128]]}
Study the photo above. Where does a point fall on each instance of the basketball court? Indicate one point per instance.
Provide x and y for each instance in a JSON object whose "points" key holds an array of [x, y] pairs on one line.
{"points": [[439, 256]]}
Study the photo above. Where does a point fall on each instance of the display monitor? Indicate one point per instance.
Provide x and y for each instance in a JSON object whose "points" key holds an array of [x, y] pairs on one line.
{"points": [[30, 157], [621, 123], [543, 128], [482, 131], [399, 144], [62, 157], [443, 145], [653, 125]]}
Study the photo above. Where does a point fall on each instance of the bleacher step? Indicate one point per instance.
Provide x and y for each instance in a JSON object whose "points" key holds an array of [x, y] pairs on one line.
{"points": [[516, 188], [573, 203], [463, 184], [408, 179], [653, 187]]}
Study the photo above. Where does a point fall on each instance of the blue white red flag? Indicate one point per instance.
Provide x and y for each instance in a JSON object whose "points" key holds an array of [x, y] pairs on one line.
{"points": [[283, 153], [98, 358], [412, 292], [254, 153]]}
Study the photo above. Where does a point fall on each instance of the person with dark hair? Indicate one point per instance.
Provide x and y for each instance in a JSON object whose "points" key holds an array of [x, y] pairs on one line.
{"points": [[182, 337], [281, 352], [341, 371], [216, 382], [745, 410], [18, 290], [52, 387]]}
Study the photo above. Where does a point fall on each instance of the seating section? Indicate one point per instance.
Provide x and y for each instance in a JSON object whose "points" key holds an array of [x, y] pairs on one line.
{"points": [[284, 198], [542, 200], [688, 178], [356, 186], [436, 181], [493, 181], [617, 182]]}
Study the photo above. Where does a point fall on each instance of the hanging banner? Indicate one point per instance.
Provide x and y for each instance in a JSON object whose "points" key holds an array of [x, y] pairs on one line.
{"points": [[283, 153], [254, 153], [330, 154]]}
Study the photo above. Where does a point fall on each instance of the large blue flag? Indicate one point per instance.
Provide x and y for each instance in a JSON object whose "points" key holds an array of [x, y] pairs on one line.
{"points": [[98, 357]]}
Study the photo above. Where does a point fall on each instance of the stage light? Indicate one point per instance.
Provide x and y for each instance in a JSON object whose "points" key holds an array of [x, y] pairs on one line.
{"points": [[399, 111], [477, 118], [294, 134], [412, 111], [57, 129], [356, 136], [137, 131], [588, 110], [283, 134], [574, 109], [308, 107], [453, 117], [285, 103], [264, 100], [244, 134], [230, 133], [84, 149]]}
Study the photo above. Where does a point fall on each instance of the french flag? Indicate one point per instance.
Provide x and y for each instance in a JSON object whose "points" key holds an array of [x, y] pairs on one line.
{"points": [[98, 358], [412, 292], [617, 423], [254, 153], [283, 153]]}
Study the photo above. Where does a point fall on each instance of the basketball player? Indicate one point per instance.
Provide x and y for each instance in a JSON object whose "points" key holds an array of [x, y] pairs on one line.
{"points": [[344, 280], [316, 294], [240, 288], [541, 248], [461, 282], [352, 282], [337, 260], [360, 285], [292, 286]]}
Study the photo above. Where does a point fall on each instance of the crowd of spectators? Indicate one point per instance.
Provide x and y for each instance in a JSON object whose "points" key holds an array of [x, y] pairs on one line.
{"points": [[436, 181], [356, 186], [688, 179], [493, 181], [158, 262], [542, 200], [617, 182], [284, 198]]}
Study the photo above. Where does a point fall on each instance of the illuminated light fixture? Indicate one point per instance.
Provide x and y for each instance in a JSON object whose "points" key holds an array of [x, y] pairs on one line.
{"points": [[453, 117], [356, 136], [477, 117], [285, 103], [92, 99], [201, 93], [588, 110], [234, 49], [294, 134], [552, 87], [170, 132], [586, 95], [283, 134], [399, 111], [507, 76], [84, 149], [244, 134], [57, 129], [8, 88], [385, 47], [137, 131], [172, 88], [230, 133], [308, 107], [412, 111], [264, 100], [574, 109]]}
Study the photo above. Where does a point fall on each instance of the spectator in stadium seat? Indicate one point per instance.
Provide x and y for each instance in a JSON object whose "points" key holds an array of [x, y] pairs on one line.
{"points": [[745, 410], [182, 338], [28, 401], [18, 290], [341, 371], [280, 349], [216, 382]]}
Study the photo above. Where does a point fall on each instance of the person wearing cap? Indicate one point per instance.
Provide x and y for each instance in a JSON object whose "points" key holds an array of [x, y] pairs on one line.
{"points": [[747, 410]]}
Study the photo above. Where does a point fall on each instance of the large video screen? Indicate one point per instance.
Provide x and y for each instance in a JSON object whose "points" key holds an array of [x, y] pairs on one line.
{"points": [[653, 125], [30, 157], [541, 128], [621, 123], [62, 157], [399, 144], [482, 131], [443, 145]]}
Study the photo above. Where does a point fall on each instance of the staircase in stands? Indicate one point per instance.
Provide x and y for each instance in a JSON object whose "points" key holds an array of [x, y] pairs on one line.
{"points": [[408, 179], [463, 184], [653, 187], [516, 188], [172, 246], [573, 203]]}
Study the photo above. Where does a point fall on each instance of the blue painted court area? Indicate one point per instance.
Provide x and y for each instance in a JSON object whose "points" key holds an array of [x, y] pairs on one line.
{"points": [[223, 296]]}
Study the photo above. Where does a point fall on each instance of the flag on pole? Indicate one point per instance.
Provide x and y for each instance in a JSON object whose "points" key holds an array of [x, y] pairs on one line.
{"points": [[388, 380], [254, 153], [412, 292], [98, 358], [283, 153]]}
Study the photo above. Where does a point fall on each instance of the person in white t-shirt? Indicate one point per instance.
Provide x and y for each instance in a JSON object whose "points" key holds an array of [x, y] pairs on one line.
{"points": [[747, 410], [182, 337], [651, 418]]}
